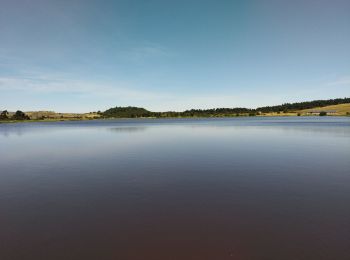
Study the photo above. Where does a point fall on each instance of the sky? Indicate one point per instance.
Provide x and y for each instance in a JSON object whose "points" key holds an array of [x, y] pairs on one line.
{"points": [[89, 55]]}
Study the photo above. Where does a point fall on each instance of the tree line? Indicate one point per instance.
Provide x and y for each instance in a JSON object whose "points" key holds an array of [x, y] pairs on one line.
{"points": [[291, 107], [18, 115], [137, 112], [133, 112]]}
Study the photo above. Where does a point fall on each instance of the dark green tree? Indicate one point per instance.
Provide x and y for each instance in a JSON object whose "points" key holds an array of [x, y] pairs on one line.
{"points": [[4, 115], [19, 115]]}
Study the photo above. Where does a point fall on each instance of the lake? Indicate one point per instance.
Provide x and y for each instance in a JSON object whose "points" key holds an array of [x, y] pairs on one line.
{"points": [[240, 188]]}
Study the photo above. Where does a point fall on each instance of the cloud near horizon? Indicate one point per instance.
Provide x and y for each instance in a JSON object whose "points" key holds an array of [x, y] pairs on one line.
{"points": [[106, 94]]}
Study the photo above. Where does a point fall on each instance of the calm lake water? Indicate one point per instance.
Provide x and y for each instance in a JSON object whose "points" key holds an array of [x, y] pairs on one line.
{"points": [[177, 189]]}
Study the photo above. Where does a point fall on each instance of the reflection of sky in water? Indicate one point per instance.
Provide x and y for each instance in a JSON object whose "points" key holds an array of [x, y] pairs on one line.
{"points": [[224, 184], [318, 124], [253, 136]]}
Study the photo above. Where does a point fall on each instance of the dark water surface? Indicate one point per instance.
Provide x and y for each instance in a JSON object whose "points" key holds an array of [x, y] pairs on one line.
{"points": [[247, 188]]}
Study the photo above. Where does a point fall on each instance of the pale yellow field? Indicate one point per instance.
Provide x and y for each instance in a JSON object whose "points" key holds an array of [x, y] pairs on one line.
{"points": [[341, 109], [53, 115]]}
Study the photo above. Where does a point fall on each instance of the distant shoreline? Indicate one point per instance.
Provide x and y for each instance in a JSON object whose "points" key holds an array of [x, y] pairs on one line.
{"points": [[139, 118], [331, 107]]}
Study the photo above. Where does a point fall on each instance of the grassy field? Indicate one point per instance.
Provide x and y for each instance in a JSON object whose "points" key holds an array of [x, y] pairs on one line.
{"points": [[50, 116], [44, 120], [341, 109], [53, 115]]}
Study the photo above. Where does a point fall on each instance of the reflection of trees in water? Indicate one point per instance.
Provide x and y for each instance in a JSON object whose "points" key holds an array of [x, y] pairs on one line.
{"points": [[20, 129], [337, 126], [128, 129], [342, 131], [6, 130]]}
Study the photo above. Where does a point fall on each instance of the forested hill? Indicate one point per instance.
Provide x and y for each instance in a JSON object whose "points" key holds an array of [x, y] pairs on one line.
{"points": [[290, 107], [127, 112], [132, 112]]}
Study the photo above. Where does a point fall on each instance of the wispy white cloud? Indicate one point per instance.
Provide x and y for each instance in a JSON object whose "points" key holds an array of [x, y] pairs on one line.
{"points": [[122, 93], [52, 84], [88, 95], [340, 81], [48, 92]]}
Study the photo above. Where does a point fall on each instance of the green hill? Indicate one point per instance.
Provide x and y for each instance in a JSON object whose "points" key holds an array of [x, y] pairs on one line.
{"points": [[126, 112]]}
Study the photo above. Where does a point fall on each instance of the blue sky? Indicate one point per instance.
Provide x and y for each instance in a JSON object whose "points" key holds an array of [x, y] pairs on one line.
{"points": [[88, 55]]}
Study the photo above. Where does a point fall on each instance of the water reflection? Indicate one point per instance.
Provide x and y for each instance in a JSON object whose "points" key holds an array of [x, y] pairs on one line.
{"points": [[176, 189], [310, 124], [128, 129]]}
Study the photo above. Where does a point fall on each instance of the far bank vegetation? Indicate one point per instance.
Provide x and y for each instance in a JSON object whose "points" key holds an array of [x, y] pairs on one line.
{"points": [[333, 107]]}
